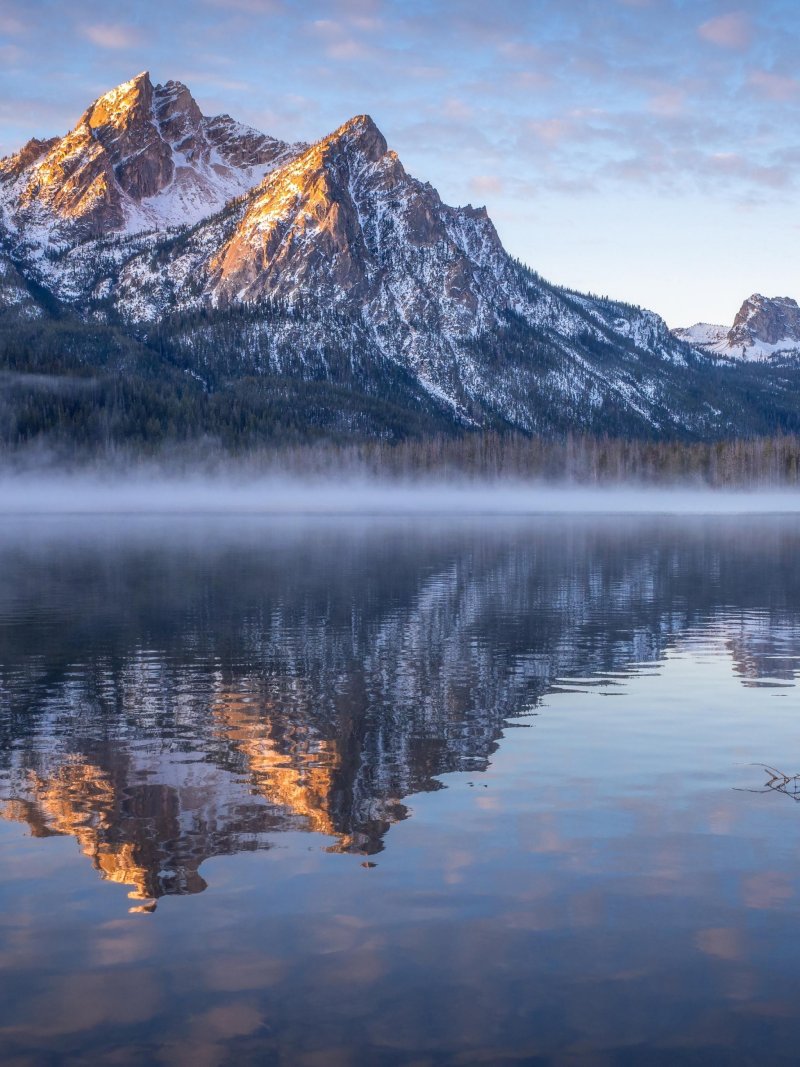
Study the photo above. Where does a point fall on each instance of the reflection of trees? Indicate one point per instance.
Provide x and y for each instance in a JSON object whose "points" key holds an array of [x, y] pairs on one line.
{"points": [[166, 702]]}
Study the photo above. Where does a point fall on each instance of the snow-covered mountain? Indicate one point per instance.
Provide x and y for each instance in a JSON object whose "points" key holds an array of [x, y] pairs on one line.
{"points": [[141, 157], [235, 254], [763, 327]]}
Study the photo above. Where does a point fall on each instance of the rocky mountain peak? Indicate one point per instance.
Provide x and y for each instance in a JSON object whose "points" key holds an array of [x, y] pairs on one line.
{"points": [[768, 320], [142, 156], [334, 218], [119, 107], [763, 327], [361, 134]]}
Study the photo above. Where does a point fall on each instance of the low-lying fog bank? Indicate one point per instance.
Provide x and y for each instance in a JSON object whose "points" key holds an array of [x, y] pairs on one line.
{"points": [[33, 494]]}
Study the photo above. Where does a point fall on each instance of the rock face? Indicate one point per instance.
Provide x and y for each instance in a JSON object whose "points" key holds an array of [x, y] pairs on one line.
{"points": [[140, 157], [764, 321], [345, 225], [763, 327], [15, 295]]}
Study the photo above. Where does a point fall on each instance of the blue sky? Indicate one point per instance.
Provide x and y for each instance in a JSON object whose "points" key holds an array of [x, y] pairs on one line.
{"points": [[647, 149]]}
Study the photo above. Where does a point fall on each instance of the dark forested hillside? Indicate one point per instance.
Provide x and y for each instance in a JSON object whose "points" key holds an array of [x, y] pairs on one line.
{"points": [[245, 377]]}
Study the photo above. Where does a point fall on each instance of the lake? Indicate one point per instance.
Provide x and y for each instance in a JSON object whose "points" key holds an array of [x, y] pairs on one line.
{"points": [[399, 791]]}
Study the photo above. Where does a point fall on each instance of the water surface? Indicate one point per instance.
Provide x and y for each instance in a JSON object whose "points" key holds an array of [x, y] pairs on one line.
{"points": [[391, 792]]}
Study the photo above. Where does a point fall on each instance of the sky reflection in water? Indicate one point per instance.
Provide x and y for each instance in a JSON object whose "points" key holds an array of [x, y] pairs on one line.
{"points": [[398, 791]]}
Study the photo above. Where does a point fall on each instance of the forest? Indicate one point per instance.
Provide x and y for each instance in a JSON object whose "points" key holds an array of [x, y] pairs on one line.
{"points": [[199, 391]]}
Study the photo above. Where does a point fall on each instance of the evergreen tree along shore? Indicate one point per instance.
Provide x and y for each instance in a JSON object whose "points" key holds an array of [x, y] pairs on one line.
{"points": [[480, 457]]}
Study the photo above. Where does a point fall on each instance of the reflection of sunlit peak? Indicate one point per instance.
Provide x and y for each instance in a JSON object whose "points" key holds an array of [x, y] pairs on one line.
{"points": [[300, 779], [79, 799], [143, 909]]}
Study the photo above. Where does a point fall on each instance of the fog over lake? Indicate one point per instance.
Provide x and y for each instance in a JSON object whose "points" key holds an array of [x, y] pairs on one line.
{"points": [[235, 490]]}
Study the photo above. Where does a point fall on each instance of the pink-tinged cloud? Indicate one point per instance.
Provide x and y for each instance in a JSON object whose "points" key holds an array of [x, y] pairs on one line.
{"points": [[522, 52], [10, 24], [11, 54], [112, 36], [249, 7], [486, 183], [733, 30], [668, 103], [551, 131], [338, 43], [457, 109], [774, 86]]}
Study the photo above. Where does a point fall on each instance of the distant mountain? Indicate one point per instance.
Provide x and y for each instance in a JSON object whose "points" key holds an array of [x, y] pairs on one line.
{"points": [[764, 327], [261, 288]]}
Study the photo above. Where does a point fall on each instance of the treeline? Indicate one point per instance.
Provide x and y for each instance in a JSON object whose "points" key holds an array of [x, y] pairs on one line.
{"points": [[759, 462], [578, 460]]}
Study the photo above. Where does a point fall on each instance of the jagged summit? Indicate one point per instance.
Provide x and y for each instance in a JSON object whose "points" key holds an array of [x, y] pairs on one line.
{"points": [[763, 327], [114, 107], [142, 156], [360, 131], [766, 321], [338, 222]]}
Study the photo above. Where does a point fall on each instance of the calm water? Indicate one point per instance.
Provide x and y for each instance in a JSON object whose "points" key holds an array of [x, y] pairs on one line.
{"points": [[343, 793]]}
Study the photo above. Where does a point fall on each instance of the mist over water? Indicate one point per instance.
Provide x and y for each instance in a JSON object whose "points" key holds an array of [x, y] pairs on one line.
{"points": [[234, 491]]}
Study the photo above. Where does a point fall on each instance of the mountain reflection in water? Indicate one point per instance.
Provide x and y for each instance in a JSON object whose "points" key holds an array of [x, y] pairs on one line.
{"points": [[173, 693]]}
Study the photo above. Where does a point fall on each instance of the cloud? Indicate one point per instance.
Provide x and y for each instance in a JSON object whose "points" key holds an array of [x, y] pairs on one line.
{"points": [[774, 86], [551, 131], [249, 7], [457, 109], [669, 102], [11, 25], [733, 31], [339, 43], [11, 55], [116, 36], [486, 183]]}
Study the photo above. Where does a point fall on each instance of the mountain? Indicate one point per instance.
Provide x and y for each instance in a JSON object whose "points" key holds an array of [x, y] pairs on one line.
{"points": [[244, 288], [764, 327], [141, 157]]}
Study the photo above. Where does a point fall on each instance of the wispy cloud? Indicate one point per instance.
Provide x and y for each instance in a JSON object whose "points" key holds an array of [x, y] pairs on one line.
{"points": [[340, 42], [733, 30], [774, 86], [11, 25], [487, 183], [115, 36], [552, 130]]}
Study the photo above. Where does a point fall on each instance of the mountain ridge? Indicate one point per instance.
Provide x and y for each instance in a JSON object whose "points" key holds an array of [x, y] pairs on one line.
{"points": [[329, 263]]}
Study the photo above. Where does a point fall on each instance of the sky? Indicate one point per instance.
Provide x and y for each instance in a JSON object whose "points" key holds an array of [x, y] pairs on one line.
{"points": [[648, 150]]}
